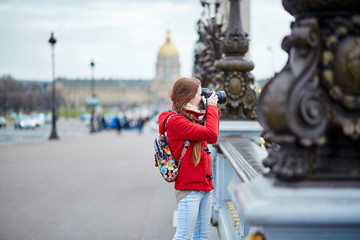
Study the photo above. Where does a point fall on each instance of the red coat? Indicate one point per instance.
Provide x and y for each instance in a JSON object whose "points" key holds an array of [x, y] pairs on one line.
{"points": [[180, 129]]}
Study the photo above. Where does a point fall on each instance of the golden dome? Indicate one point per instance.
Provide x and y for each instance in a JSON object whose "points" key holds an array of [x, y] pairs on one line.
{"points": [[168, 48]]}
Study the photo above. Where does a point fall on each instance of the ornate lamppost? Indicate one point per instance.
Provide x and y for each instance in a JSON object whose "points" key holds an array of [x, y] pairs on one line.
{"points": [[53, 134], [234, 70], [220, 61], [92, 127]]}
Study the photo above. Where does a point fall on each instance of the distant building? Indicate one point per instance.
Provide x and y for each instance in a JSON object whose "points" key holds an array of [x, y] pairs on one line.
{"points": [[109, 92], [128, 92], [167, 70]]}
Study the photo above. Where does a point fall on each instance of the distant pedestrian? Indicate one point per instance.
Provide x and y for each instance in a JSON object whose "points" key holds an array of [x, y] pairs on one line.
{"points": [[104, 123], [118, 125], [140, 124], [99, 123], [193, 186]]}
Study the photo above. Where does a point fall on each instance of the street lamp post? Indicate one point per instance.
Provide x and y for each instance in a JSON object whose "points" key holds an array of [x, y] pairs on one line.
{"points": [[53, 134], [272, 60], [92, 128]]}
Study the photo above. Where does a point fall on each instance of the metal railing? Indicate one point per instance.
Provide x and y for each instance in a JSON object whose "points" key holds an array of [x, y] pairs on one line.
{"points": [[236, 160]]}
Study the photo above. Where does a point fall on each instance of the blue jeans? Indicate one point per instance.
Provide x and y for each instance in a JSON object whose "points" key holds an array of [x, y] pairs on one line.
{"points": [[194, 214]]}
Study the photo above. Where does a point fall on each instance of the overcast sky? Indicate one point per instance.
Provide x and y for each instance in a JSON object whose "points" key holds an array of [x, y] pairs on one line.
{"points": [[123, 37]]}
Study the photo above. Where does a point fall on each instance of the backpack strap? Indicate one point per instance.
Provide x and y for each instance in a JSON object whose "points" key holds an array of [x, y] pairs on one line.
{"points": [[186, 144], [165, 132], [173, 111], [183, 152]]}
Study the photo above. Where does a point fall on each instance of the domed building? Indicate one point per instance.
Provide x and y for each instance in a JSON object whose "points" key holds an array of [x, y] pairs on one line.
{"points": [[113, 92], [167, 70]]}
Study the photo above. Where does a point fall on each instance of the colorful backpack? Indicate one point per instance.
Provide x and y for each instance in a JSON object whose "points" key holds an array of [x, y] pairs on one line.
{"points": [[164, 158]]}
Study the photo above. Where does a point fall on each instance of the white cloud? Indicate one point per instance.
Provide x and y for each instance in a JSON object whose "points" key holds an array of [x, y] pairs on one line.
{"points": [[122, 36], [270, 23]]}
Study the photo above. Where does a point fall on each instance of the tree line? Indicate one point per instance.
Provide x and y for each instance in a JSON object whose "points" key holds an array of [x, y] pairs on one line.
{"points": [[26, 96]]}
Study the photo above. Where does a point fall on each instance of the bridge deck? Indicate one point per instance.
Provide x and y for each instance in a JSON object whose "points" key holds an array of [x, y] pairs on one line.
{"points": [[100, 186]]}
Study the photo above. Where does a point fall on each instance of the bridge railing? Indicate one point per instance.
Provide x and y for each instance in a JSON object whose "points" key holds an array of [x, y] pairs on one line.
{"points": [[237, 159]]}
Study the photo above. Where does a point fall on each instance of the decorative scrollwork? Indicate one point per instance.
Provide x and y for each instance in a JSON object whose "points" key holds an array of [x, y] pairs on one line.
{"points": [[294, 104], [312, 118], [311, 109]]}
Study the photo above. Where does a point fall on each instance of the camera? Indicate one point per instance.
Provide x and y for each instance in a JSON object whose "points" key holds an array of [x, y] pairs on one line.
{"points": [[207, 93], [220, 94]]}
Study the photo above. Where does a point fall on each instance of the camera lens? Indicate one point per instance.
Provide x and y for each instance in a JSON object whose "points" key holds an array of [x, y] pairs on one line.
{"points": [[220, 94], [206, 92], [221, 97]]}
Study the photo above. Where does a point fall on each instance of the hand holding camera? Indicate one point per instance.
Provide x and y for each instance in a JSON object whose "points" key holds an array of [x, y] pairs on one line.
{"points": [[212, 97]]}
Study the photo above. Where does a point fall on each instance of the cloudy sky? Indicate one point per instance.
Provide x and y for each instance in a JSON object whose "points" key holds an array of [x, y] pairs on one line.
{"points": [[123, 37]]}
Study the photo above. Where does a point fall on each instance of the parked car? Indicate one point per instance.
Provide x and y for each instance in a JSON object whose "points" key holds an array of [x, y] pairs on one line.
{"points": [[48, 117], [2, 122], [25, 121], [39, 119]]}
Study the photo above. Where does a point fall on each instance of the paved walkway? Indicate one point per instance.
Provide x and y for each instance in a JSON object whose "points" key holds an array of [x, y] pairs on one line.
{"points": [[100, 186]]}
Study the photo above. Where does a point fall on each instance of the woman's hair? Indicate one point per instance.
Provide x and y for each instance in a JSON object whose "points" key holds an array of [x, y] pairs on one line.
{"points": [[182, 92]]}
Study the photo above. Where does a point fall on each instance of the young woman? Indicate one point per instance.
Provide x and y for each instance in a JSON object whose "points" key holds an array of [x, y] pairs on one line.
{"points": [[193, 186]]}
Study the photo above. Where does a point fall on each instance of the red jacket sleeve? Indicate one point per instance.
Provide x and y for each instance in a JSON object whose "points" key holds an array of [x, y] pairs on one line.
{"points": [[181, 128]]}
